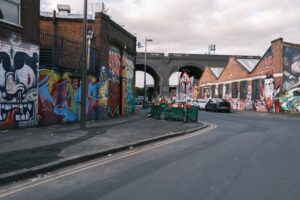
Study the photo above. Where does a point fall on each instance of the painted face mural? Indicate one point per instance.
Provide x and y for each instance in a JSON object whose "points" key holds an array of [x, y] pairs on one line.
{"points": [[18, 86], [290, 101], [270, 91], [186, 86]]}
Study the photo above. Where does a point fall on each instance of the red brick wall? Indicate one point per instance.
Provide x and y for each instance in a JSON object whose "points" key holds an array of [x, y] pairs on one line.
{"points": [[70, 29], [106, 33], [234, 71], [207, 77]]}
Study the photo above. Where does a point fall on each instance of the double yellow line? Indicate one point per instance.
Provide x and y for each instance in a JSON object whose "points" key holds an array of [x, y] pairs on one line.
{"points": [[73, 170]]}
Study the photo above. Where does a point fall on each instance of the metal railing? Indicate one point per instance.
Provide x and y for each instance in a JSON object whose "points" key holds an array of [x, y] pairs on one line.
{"points": [[56, 51]]}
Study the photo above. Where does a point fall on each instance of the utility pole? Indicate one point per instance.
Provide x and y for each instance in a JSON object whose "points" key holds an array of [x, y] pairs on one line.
{"points": [[83, 72], [145, 71]]}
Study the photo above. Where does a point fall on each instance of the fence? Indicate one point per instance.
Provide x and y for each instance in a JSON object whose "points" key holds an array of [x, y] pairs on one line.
{"points": [[56, 51], [175, 112]]}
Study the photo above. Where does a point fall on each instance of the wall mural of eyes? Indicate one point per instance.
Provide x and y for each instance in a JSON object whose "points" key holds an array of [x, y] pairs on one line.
{"points": [[18, 87]]}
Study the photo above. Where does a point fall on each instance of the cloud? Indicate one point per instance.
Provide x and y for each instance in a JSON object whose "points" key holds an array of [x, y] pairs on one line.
{"points": [[236, 27]]}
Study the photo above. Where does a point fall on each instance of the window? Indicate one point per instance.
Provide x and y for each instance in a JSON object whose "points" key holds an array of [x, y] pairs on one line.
{"points": [[10, 11], [220, 88], [213, 91], [243, 90], [234, 90], [255, 89]]}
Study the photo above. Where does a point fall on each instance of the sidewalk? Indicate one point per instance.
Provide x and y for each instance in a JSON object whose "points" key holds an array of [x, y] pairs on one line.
{"points": [[27, 152], [281, 115]]}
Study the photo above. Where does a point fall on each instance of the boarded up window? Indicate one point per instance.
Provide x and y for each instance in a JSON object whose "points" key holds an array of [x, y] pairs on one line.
{"points": [[213, 91], [220, 88], [243, 89], [227, 90], [255, 89], [234, 90]]}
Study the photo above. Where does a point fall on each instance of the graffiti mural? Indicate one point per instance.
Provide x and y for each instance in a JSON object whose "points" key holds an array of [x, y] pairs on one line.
{"points": [[290, 101], [186, 86], [60, 96], [114, 60], [18, 84], [269, 81], [128, 76], [104, 77]]}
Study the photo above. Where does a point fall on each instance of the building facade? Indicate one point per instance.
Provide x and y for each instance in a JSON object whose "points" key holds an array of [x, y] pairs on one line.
{"points": [[40, 64], [19, 61], [111, 53], [269, 84]]}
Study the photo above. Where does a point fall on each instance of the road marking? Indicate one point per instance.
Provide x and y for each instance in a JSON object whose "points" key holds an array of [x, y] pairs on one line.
{"points": [[24, 186]]}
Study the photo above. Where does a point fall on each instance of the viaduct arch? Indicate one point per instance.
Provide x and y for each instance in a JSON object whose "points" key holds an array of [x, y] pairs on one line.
{"points": [[161, 67]]}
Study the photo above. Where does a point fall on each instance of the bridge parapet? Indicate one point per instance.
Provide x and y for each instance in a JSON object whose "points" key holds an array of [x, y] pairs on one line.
{"points": [[150, 55]]}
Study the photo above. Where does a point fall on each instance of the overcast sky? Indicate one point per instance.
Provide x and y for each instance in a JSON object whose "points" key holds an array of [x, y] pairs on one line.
{"points": [[236, 27]]}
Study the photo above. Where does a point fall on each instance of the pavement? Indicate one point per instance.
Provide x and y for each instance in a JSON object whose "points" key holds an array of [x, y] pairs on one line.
{"points": [[31, 151]]}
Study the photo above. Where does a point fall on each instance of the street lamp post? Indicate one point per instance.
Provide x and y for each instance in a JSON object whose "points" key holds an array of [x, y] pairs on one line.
{"points": [[83, 72], [145, 69], [178, 85]]}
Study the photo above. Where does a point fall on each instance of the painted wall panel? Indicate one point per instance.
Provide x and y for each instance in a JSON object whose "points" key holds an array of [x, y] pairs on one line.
{"points": [[290, 101], [128, 86], [60, 96], [114, 99], [18, 84]]}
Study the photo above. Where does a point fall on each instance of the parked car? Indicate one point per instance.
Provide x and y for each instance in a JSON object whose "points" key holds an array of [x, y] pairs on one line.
{"points": [[193, 102], [217, 105], [202, 103], [139, 100]]}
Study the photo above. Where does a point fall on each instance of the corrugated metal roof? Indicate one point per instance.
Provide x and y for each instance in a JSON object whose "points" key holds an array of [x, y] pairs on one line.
{"points": [[248, 64], [217, 71]]}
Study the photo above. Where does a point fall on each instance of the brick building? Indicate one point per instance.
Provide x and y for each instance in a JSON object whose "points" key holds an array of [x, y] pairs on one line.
{"points": [[271, 83], [19, 53], [111, 55]]}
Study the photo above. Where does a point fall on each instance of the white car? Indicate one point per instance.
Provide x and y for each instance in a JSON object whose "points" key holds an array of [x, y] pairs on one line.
{"points": [[202, 103], [193, 102]]}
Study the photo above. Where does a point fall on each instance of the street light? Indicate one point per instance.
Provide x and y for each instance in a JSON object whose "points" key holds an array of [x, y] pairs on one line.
{"points": [[178, 85], [145, 66]]}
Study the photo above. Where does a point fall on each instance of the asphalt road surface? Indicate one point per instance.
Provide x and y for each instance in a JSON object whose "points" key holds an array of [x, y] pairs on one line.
{"points": [[244, 156]]}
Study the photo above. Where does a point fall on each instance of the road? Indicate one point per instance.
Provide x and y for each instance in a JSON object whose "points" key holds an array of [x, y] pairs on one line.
{"points": [[245, 156]]}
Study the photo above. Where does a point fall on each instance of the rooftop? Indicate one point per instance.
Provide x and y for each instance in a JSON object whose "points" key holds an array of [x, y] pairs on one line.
{"points": [[248, 64]]}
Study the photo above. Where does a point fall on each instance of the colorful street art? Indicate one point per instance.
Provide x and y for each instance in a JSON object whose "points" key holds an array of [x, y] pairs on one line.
{"points": [[18, 84], [128, 76], [60, 96], [269, 82], [290, 101], [114, 60], [186, 86], [268, 91]]}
